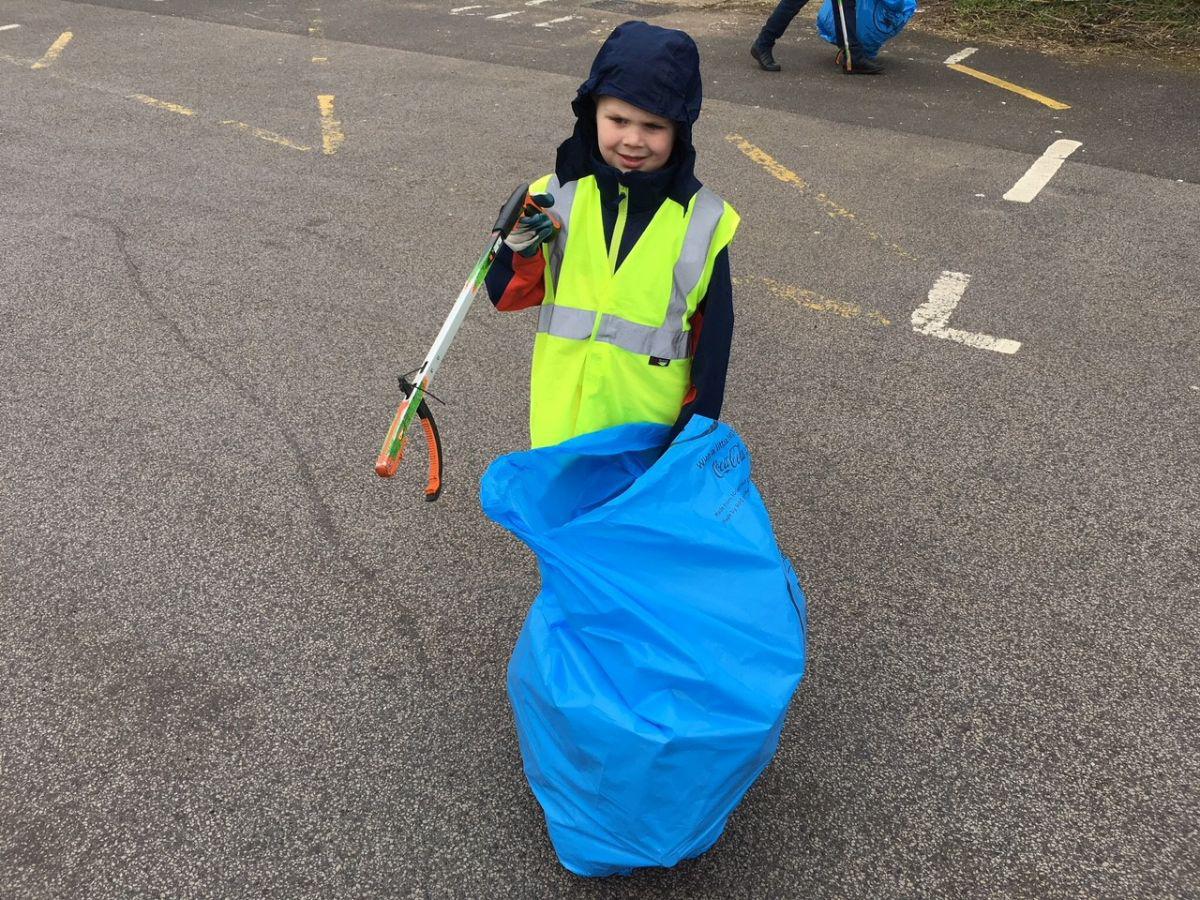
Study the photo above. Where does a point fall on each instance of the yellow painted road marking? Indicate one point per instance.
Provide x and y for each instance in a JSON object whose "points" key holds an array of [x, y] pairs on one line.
{"points": [[55, 49], [265, 135], [1008, 86], [831, 207], [316, 29], [816, 302], [260, 133], [331, 128], [163, 104], [320, 59]]}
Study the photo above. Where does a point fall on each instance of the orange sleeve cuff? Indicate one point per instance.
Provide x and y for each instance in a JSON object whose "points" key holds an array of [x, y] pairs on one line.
{"points": [[527, 287]]}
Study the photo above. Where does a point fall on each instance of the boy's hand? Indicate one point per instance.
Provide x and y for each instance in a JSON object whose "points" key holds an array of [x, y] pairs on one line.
{"points": [[534, 229]]}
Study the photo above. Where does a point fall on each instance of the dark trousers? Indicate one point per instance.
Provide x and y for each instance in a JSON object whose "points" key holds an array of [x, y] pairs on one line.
{"points": [[781, 18]]}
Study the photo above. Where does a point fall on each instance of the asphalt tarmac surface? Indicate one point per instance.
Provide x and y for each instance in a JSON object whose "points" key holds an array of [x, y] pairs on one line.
{"points": [[235, 663]]}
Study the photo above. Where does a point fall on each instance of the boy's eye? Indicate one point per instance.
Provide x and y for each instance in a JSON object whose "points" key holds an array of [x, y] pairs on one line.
{"points": [[653, 127], [617, 120]]}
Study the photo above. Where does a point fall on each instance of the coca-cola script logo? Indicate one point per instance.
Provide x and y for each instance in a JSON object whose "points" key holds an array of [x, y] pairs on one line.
{"points": [[723, 465]]}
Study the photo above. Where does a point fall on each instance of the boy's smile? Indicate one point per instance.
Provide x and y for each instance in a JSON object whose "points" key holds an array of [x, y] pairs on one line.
{"points": [[630, 138]]}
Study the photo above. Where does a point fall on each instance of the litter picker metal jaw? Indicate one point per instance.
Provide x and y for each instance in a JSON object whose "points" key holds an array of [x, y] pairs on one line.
{"points": [[386, 468], [416, 387]]}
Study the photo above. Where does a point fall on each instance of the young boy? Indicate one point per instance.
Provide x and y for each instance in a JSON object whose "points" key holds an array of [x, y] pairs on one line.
{"points": [[635, 292]]}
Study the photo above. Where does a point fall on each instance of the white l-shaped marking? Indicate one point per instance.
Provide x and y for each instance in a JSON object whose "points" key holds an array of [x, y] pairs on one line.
{"points": [[931, 317]]}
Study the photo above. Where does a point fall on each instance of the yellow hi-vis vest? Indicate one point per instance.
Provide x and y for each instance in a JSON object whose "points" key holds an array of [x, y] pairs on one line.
{"points": [[613, 343]]}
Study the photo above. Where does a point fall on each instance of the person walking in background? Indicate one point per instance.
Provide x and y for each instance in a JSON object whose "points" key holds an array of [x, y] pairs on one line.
{"points": [[772, 31], [778, 22]]}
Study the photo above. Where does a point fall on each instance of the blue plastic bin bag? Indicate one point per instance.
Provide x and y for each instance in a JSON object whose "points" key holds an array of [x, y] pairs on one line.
{"points": [[877, 21], [654, 670]]}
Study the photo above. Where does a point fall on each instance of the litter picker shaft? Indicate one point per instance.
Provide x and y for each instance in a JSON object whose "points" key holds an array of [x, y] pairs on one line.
{"points": [[416, 384], [845, 36]]}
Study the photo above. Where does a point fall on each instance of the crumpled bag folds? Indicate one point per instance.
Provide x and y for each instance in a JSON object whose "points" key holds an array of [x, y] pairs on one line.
{"points": [[877, 22], [651, 678]]}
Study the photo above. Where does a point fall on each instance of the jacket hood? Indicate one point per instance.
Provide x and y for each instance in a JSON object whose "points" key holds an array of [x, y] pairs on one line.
{"points": [[655, 68], [658, 70]]}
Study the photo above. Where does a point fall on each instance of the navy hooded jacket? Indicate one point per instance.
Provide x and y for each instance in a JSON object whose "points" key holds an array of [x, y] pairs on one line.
{"points": [[658, 70]]}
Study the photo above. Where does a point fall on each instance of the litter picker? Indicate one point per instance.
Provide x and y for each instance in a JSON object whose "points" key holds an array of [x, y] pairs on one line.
{"points": [[415, 384], [845, 36]]}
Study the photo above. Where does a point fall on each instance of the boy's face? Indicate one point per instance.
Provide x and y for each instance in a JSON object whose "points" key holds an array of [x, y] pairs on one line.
{"points": [[632, 139]]}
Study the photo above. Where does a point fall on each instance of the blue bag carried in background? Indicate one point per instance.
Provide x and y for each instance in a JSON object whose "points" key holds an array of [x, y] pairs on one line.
{"points": [[877, 21], [654, 670]]}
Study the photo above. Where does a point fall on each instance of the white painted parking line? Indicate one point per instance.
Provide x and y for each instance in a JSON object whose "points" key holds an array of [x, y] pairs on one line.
{"points": [[931, 317], [960, 55], [7, 27], [505, 15], [554, 21], [461, 9], [535, 2], [1041, 171]]}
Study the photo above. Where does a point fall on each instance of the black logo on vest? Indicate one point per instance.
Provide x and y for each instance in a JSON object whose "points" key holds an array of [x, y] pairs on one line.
{"points": [[659, 361], [723, 465]]}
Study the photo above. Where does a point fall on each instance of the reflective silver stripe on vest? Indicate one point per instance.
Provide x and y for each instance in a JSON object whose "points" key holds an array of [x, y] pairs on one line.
{"points": [[668, 341], [566, 321], [564, 198], [706, 215], [563, 321]]}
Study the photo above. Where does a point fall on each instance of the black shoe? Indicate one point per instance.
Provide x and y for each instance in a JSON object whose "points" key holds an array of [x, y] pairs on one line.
{"points": [[859, 65], [764, 59]]}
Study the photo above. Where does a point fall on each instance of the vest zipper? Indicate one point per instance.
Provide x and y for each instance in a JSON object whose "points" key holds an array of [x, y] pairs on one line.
{"points": [[618, 227]]}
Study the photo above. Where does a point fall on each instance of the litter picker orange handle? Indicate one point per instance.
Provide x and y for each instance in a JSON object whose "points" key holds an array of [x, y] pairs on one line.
{"points": [[397, 439], [413, 405], [531, 207]]}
